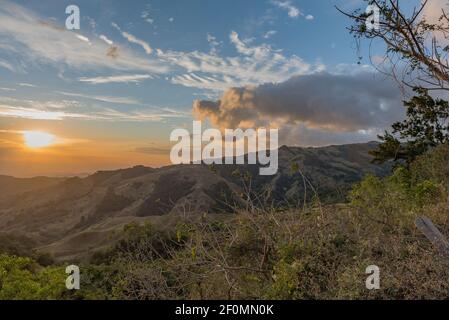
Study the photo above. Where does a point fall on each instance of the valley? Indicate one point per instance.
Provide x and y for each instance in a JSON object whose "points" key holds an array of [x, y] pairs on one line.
{"points": [[72, 218]]}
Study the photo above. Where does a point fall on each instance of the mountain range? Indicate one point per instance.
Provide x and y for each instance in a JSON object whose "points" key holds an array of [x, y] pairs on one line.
{"points": [[72, 217]]}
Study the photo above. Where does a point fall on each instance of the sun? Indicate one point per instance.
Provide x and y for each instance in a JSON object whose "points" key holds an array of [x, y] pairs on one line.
{"points": [[38, 139]]}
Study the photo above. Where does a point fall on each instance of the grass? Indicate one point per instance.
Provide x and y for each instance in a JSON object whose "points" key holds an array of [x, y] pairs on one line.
{"points": [[309, 252]]}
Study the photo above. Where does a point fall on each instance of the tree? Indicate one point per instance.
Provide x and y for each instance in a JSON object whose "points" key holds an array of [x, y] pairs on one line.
{"points": [[425, 127], [417, 52], [417, 56]]}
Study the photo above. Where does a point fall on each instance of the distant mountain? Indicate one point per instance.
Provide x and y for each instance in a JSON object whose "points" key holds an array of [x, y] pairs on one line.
{"points": [[74, 216], [10, 185], [328, 172]]}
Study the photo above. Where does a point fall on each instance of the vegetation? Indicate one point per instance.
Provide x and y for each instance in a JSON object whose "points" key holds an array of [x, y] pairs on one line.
{"points": [[417, 58], [23, 278], [425, 127], [309, 253], [416, 48]]}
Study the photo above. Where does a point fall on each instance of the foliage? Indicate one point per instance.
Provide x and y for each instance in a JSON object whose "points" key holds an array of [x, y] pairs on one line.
{"points": [[425, 127], [23, 278], [416, 57], [416, 52], [311, 252]]}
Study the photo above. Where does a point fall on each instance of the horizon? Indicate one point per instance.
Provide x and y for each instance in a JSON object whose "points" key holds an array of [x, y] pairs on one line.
{"points": [[87, 174]]}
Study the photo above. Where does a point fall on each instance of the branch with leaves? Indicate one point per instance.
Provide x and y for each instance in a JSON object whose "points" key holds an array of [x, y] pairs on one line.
{"points": [[417, 50]]}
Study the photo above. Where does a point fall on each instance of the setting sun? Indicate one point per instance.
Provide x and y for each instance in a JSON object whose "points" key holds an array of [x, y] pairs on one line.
{"points": [[38, 139]]}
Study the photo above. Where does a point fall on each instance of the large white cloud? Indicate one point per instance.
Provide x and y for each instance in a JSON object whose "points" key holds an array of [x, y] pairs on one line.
{"points": [[318, 107]]}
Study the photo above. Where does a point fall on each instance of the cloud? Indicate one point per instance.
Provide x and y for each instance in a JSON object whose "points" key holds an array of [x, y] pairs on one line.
{"points": [[133, 39], [146, 16], [108, 108], [33, 113], [243, 48], [24, 84], [301, 135], [117, 100], [322, 104], [134, 78], [214, 43], [293, 12], [269, 34], [6, 65], [142, 43], [253, 65], [7, 89], [63, 109], [35, 42], [138, 115], [105, 39], [43, 42], [82, 38]]}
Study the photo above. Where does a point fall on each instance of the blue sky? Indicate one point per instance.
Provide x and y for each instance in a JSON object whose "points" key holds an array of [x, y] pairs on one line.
{"points": [[184, 27], [133, 71]]}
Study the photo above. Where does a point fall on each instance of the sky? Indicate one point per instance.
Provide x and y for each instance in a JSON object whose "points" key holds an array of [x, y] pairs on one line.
{"points": [[110, 93]]}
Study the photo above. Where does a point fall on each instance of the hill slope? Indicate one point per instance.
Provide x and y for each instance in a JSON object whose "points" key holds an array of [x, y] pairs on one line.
{"points": [[71, 217]]}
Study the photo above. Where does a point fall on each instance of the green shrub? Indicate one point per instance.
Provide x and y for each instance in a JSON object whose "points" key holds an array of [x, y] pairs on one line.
{"points": [[23, 278], [304, 253]]}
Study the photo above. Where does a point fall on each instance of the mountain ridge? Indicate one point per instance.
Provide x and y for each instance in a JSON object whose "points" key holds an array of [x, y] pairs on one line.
{"points": [[74, 216]]}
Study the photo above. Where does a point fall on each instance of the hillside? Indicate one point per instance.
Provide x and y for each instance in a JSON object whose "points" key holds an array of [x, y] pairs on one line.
{"points": [[75, 216], [310, 252], [10, 186]]}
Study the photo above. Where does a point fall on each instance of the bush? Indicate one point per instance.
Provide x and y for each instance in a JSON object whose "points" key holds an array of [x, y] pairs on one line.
{"points": [[23, 278], [303, 253]]}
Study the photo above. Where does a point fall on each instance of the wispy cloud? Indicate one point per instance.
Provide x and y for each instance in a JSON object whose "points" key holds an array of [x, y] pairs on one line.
{"points": [[66, 110], [253, 65], [131, 78], [269, 34], [24, 84], [146, 15], [34, 113], [7, 89], [106, 39], [83, 38], [144, 115], [6, 65], [214, 43], [134, 40], [42, 41], [109, 99], [293, 12]]}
